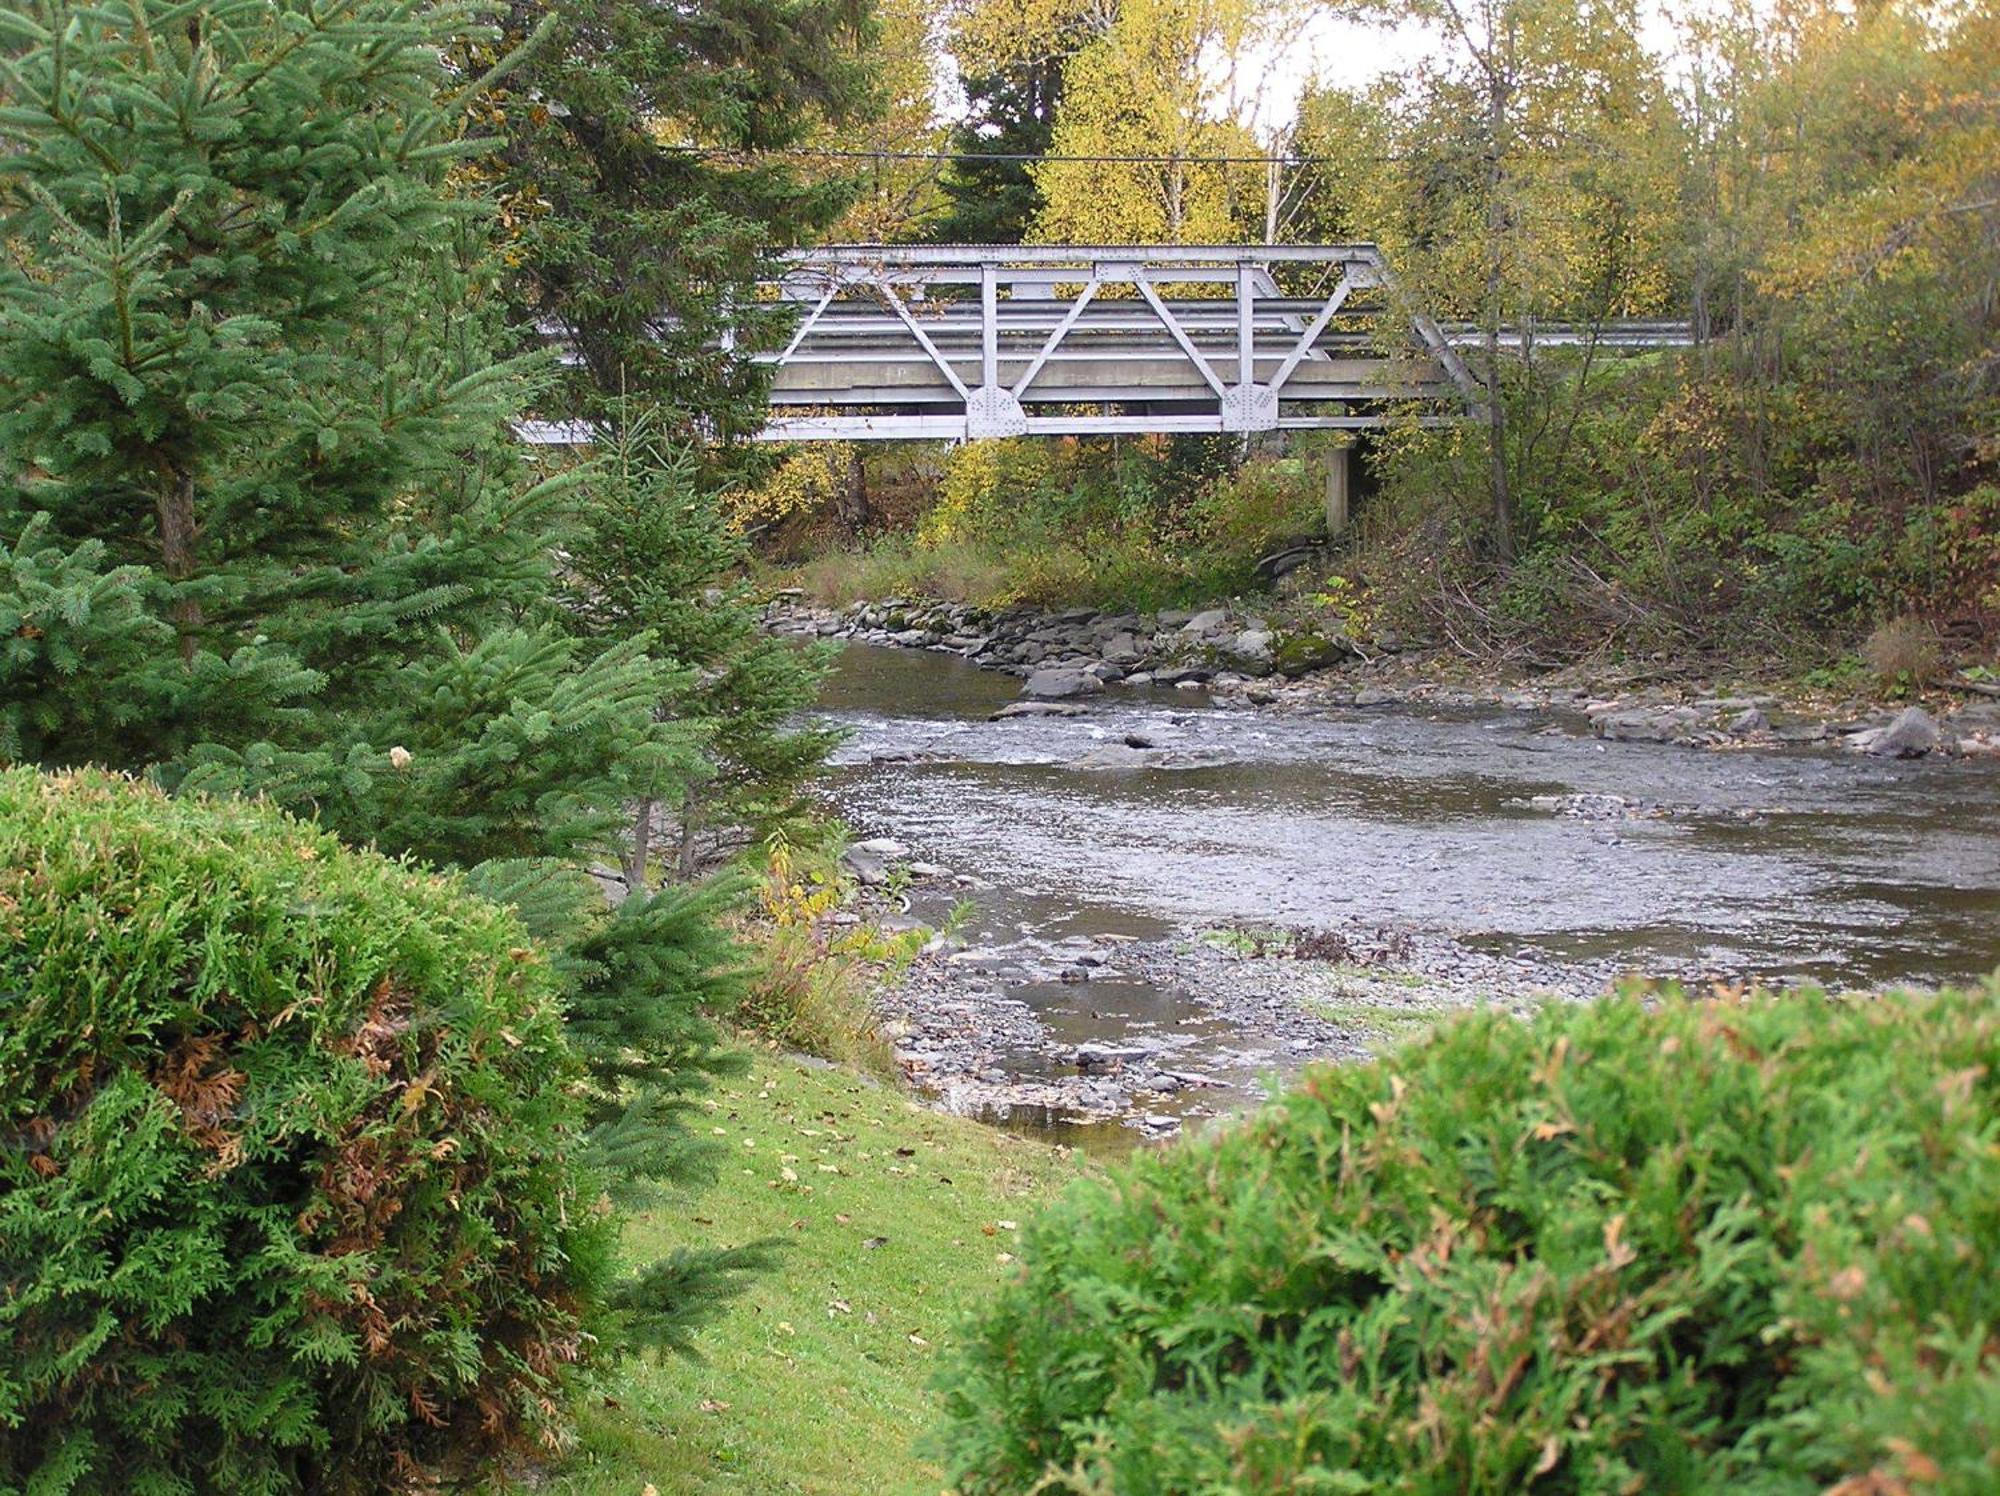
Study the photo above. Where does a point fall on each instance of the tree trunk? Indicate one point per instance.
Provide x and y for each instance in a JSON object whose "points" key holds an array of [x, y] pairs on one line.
{"points": [[175, 507], [1496, 404], [689, 849], [640, 852], [851, 507]]}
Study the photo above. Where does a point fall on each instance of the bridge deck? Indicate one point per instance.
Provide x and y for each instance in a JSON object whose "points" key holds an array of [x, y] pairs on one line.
{"points": [[969, 341], [999, 340], [984, 340]]}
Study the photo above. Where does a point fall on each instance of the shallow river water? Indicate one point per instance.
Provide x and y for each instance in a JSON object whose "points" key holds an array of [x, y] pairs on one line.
{"points": [[1774, 865]]}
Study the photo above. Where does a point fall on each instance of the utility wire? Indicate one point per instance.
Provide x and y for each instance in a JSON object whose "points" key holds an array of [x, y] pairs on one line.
{"points": [[850, 153]]}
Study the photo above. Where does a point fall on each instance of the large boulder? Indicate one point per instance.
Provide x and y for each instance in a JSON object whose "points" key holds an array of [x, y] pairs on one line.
{"points": [[1912, 734], [1300, 654], [1250, 652], [1210, 621], [1653, 724], [1061, 684]]}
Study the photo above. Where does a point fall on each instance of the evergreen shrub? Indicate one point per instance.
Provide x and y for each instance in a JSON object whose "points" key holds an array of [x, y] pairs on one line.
{"points": [[1743, 1246], [288, 1198]]}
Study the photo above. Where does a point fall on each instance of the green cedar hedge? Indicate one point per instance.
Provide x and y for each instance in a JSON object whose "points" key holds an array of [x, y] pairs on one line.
{"points": [[286, 1191], [1747, 1246]]}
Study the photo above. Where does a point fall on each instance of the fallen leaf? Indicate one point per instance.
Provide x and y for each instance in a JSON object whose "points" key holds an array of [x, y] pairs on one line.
{"points": [[785, 1327], [839, 1306], [916, 1339], [1616, 1250], [1916, 1464], [875, 1241], [1551, 1452]]}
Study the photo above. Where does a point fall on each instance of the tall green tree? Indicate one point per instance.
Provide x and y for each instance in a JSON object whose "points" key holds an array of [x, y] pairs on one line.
{"points": [[1009, 123], [266, 525], [646, 181], [654, 556]]}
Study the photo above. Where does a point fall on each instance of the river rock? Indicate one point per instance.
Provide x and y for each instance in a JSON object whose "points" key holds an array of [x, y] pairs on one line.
{"points": [[1208, 621], [1121, 648], [1037, 709], [870, 869], [1060, 684], [1911, 735], [1250, 651], [1301, 654], [1106, 1059], [1749, 720], [1647, 724]]}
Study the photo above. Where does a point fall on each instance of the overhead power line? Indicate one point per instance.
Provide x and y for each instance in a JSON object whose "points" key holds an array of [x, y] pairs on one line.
{"points": [[845, 153]]}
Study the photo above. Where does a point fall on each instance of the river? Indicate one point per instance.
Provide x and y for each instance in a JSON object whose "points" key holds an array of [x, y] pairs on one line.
{"points": [[1510, 836]]}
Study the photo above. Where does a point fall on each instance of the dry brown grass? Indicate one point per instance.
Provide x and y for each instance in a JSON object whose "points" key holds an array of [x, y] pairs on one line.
{"points": [[1903, 654]]}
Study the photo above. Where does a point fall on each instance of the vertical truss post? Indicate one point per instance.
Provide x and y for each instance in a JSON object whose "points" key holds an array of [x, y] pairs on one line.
{"points": [[992, 409], [1247, 405]]}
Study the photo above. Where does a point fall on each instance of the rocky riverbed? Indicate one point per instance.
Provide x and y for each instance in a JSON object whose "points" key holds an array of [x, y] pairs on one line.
{"points": [[1239, 657], [1259, 1002], [1173, 898]]}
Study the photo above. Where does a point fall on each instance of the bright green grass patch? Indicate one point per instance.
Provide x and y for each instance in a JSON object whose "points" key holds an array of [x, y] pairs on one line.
{"points": [[898, 1220]]}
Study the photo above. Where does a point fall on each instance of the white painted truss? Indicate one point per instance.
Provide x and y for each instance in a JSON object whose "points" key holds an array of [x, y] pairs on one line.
{"points": [[962, 342], [972, 341]]}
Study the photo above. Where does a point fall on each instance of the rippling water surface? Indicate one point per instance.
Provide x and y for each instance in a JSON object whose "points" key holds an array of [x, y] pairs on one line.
{"points": [[1775, 865]]}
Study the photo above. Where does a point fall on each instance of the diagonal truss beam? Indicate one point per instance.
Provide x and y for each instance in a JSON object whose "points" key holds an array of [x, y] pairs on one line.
{"points": [[1055, 338], [1311, 335], [1168, 321], [881, 283], [806, 322]]}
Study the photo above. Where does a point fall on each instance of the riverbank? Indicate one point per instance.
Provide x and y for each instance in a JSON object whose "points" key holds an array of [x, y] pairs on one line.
{"points": [[1247, 656], [895, 1221]]}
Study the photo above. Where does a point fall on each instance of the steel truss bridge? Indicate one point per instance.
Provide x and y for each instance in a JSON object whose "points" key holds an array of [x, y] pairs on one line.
{"points": [[972, 341], [966, 341]]}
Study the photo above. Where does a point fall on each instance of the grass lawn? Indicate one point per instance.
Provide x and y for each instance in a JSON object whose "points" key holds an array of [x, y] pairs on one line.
{"points": [[818, 1379]]}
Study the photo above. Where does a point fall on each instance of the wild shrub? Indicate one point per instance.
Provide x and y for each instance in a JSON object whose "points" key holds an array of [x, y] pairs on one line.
{"points": [[1740, 1246], [812, 985], [289, 1197], [1903, 654]]}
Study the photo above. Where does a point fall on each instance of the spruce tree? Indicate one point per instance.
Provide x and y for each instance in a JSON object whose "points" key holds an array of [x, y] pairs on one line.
{"points": [[644, 157], [644, 163], [1009, 113], [264, 522], [654, 554]]}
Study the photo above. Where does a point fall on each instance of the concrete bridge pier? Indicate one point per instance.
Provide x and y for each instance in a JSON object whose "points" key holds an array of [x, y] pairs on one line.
{"points": [[1339, 461]]}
